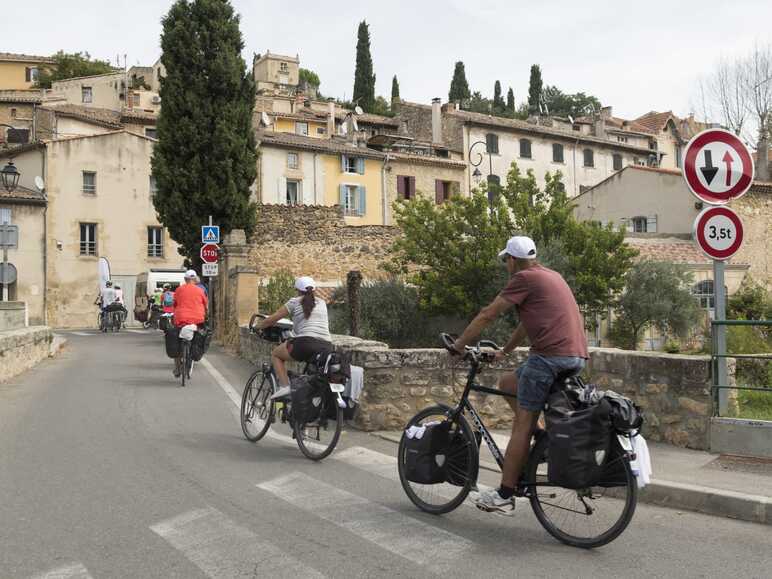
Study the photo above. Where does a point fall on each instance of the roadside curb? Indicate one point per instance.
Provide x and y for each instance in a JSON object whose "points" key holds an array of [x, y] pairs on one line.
{"points": [[680, 496]]}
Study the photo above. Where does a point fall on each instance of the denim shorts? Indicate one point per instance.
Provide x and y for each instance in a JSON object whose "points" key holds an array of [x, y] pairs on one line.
{"points": [[536, 376]]}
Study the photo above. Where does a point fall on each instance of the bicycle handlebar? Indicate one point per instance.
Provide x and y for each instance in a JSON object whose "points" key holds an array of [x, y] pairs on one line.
{"points": [[472, 353]]}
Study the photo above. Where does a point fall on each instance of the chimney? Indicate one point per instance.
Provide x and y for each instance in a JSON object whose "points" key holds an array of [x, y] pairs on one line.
{"points": [[436, 120], [330, 118], [605, 113]]}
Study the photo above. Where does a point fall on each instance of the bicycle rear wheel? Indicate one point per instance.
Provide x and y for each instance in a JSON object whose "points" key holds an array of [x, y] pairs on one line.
{"points": [[461, 463], [585, 518], [257, 408], [184, 348], [317, 439]]}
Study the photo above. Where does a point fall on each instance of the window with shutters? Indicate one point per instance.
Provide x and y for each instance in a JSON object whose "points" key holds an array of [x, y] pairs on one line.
{"points": [[153, 186], [589, 158], [294, 195], [31, 74], [352, 199], [678, 156], [151, 132], [405, 187], [704, 291], [88, 241], [85, 94], [292, 160], [353, 165], [639, 224], [525, 148], [444, 190], [155, 242], [89, 182], [5, 215], [617, 161], [13, 113], [301, 128], [492, 143], [557, 153]]}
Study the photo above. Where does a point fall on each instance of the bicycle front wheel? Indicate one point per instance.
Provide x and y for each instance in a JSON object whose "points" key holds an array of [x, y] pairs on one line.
{"points": [[185, 348], [586, 518], [461, 465], [257, 408], [317, 439]]}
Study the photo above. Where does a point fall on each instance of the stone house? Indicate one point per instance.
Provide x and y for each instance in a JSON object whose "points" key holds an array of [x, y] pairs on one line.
{"points": [[20, 71], [671, 133], [17, 109], [584, 154], [111, 91], [66, 120], [99, 204]]}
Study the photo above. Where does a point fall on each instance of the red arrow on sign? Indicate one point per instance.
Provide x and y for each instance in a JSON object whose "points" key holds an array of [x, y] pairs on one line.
{"points": [[728, 160]]}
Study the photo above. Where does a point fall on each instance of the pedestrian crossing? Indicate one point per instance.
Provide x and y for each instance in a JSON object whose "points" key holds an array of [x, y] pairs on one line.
{"points": [[396, 532]]}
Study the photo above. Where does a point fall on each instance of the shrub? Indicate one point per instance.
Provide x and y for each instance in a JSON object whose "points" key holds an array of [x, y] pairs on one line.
{"points": [[275, 293]]}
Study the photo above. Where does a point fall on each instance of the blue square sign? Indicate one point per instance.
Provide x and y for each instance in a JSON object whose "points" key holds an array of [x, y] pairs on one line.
{"points": [[210, 234]]}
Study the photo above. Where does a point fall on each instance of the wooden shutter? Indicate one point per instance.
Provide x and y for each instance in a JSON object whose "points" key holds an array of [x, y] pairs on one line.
{"points": [[360, 165], [27, 74], [342, 196], [411, 187], [401, 187], [343, 163], [651, 224], [492, 143], [439, 191], [362, 200]]}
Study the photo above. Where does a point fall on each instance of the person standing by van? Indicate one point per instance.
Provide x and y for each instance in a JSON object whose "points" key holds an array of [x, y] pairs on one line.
{"points": [[167, 299]]}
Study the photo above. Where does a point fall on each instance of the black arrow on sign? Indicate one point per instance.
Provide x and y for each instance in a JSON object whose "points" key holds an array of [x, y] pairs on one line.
{"points": [[709, 171]]}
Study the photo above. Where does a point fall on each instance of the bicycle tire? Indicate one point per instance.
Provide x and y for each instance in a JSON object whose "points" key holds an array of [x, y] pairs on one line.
{"points": [[183, 362], [189, 361], [309, 450], [538, 456], [444, 490], [268, 382]]}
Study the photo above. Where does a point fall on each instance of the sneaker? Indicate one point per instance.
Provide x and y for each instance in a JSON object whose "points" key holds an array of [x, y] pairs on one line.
{"points": [[282, 392], [177, 372], [492, 502]]}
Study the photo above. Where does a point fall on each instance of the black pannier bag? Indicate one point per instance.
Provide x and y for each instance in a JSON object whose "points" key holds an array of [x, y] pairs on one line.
{"points": [[425, 457], [579, 441], [306, 396], [457, 471], [115, 307], [172, 341], [626, 415], [200, 343], [614, 473]]}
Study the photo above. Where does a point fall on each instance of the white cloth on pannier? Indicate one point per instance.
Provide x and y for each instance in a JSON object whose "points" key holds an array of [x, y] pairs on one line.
{"points": [[187, 332], [641, 466], [355, 384], [417, 431]]}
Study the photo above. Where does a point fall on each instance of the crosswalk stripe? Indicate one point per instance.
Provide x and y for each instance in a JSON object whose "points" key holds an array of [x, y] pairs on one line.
{"points": [[221, 548], [83, 333], [136, 331], [398, 533], [71, 571]]}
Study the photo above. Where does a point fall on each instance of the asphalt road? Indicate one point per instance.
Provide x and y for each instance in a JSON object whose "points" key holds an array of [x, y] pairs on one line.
{"points": [[109, 469]]}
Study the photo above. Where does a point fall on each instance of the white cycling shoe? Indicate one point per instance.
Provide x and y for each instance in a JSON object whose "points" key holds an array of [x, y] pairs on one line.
{"points": [[491, 501], [282, 392]]}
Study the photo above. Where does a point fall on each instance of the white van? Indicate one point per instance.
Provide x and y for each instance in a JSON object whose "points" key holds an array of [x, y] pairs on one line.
{"points": [[148, 283]]}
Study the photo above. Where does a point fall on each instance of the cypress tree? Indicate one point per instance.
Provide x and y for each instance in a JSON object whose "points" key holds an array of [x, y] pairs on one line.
{"points": [[394, 89], [510, 102], [459, 88], [498, 100], [205, 160], [364, 79], [534, 90]]}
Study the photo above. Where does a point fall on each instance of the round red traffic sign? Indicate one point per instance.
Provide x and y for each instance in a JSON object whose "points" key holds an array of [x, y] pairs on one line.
{"points": [[719, 232], [718, 167], [209, 253]]}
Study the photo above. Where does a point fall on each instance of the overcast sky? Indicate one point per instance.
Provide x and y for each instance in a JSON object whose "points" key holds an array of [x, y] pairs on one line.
{"points": [[635, 56]]}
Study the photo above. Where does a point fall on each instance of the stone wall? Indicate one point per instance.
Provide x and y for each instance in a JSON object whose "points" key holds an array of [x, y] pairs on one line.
{"points": [[674, 390], [315, 241], [22, 349], [755, 210], [12, 315]]}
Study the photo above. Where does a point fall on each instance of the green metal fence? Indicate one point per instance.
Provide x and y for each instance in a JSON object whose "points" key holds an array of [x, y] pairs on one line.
{"points": [[719, 355]]}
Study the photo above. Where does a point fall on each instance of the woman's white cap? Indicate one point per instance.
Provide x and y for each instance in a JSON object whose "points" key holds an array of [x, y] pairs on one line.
{"points": [[521, 247], [305, 282], [191, 274]]}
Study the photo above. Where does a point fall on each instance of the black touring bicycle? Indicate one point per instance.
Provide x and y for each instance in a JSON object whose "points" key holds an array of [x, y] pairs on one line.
{"points": [[439, 471]]}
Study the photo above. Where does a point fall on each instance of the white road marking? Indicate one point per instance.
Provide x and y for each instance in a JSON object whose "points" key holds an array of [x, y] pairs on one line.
{"points": [[222, 549], [136, 331], [84, 333], [423, 544], [71, 571]]}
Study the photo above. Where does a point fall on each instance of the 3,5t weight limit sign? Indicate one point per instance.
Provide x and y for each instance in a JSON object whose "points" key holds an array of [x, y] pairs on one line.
{"points": [[719, 232]]}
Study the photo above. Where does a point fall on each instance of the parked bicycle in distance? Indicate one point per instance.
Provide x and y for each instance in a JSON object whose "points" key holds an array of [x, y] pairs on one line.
{"points": [[586, 517], [316, 437]]}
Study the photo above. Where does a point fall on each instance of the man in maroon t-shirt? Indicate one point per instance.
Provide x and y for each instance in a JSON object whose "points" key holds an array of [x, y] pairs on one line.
{"points": [[550, 318]]}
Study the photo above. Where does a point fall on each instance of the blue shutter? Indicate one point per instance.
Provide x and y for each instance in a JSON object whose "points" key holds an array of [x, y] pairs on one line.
{"points": [[360, 165], [342, 196], [651, 224], [362, 200], [343, 163]]}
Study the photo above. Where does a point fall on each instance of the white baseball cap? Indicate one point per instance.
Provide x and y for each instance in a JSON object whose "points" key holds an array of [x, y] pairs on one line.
{"points": [[190, 274], [305, 282], [521, 247]]}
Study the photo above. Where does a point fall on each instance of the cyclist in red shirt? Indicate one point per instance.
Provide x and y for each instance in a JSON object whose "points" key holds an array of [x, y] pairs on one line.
{"points": [[190, 304]]}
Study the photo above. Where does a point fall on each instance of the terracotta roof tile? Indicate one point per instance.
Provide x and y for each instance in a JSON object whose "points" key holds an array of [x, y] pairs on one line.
{"points": [[21, 96], [23, 194], [655, 121], [14, 57], [105, 117], [332, 146], [668, 249]]}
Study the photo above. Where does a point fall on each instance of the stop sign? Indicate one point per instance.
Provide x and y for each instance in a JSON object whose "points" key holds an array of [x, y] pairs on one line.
{"points": [[209, 253]]}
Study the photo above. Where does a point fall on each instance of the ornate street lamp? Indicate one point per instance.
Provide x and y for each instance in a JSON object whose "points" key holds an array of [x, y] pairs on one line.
{"points": [[10, 177], [476, 162]]}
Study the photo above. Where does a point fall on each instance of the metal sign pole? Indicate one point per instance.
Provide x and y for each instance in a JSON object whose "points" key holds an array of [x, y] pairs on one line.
{"points": [[6, 271], [720, 316]]}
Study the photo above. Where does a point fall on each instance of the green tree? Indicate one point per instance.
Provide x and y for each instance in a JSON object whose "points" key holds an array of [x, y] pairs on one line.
{"points": [[575, 105], [477, 103], [510, 103], [275, 293], [72, 65], [450, 251], [205, 160], [394, 90], [309, 77], [656, 294], [750, 302], [459, 87], [498, 100], [534, 90], [364, 79]]}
